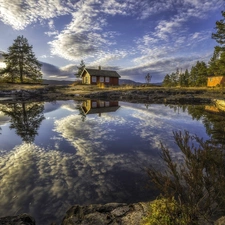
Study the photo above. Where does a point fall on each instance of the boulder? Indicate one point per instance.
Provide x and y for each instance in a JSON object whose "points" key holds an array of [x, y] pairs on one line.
{"points": [[111, 213], [220, 221]]}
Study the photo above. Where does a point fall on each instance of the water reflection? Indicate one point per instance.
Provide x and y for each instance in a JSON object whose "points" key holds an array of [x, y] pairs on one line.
{"points": [[99, 107], [212, 118], [25, 118], [97, 160]]}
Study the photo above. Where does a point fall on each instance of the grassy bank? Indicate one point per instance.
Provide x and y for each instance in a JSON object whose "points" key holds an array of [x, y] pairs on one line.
{"points": [[70, 90]]}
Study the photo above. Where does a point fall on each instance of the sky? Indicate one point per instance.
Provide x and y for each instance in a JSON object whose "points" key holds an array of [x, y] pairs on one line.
{"points": [[133, 37]]}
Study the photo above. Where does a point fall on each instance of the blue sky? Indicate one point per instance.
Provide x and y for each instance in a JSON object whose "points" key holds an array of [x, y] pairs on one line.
{"points": [[133, 37]]}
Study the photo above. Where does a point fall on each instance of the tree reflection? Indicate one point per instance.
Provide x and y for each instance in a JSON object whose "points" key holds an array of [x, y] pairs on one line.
{"points": [[214, 121], [81, 113], [25, 118]]}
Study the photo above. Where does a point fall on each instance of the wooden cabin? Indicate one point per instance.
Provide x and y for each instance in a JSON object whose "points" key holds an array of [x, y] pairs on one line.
{"points": [[96, 76], [214, 81]]}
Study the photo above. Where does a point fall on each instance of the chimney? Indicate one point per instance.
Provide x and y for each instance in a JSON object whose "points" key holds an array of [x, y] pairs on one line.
{"points": [[99, 67]]}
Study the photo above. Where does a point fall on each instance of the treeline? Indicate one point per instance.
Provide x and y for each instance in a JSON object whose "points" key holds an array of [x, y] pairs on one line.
{"points": [[196, 77], [199, 73]]}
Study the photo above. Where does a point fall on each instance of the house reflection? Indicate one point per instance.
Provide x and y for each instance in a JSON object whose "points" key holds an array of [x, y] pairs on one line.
{"points": [[218, 107], [99, 107], [212, 108]]}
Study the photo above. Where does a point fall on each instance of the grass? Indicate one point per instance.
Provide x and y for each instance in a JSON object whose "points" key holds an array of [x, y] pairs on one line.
{"points": [[10, 86], [87, 89]]}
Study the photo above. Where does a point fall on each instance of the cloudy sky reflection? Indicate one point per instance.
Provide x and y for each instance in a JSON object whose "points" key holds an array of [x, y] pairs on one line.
{"points": [[98, 160]]}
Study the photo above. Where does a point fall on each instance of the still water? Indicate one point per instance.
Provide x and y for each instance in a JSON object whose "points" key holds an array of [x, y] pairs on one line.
{"points": [[56, 154]]}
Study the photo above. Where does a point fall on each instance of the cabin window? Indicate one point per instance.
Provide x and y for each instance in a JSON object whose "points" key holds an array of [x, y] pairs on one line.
{"points": [[106, 104], [101, 79], [107, 79], [94, 104], [94, 79]]}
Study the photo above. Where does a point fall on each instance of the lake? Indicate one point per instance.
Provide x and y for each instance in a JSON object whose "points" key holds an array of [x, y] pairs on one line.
{"points": [[57, 154]]}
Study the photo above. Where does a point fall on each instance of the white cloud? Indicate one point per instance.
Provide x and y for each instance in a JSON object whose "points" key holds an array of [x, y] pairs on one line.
{"points": [[51, 71], [43, 56], [51, 24], [3, 118], [52, 33], [19, 13], [84, 36]]}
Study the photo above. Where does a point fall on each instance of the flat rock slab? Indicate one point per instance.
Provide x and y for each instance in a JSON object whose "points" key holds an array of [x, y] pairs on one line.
{"points": [[111, 213]]}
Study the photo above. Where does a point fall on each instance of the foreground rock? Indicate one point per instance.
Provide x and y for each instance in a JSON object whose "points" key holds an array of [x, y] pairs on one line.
{"points": [[111, 213], [22, 219], [96, 214]]}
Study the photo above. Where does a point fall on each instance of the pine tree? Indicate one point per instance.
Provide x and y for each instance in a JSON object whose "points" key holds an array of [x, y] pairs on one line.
{"points": [[80, 69], [21, 62], [217, 62], [219, 36], [167, 81], [201, 74], [198, 75], [186, 78], [174, 79]]}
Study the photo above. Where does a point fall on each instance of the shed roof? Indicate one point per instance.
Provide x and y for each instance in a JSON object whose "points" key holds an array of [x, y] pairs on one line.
{"points": [[103, 73]]}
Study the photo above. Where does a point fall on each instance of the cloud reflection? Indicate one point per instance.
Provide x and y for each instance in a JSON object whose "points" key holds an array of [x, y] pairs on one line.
{"points": [[3, 118], [105, 166], [46, 182]]}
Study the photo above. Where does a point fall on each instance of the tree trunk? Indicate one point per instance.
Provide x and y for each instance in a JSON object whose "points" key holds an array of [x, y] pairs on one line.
{"points": [[21, 73]]}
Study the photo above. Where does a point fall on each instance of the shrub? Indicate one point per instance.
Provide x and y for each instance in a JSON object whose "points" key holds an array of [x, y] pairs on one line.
{"points": [[165, 211], [198, 183]]}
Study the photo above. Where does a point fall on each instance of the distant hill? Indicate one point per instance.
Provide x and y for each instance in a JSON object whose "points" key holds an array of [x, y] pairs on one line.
{"points": [[57, 82], [158, 84], [127, 81], [66, 82]]}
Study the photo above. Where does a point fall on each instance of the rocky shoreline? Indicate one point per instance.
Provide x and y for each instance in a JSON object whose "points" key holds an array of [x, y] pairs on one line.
{"points": [[160, 96], [153, 96], [96, 214]]}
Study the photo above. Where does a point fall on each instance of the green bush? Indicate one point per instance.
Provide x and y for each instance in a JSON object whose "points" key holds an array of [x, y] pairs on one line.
{"points": [[165, 211]]}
